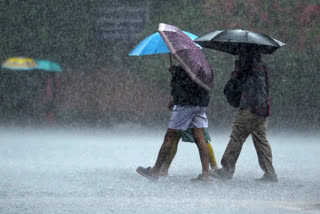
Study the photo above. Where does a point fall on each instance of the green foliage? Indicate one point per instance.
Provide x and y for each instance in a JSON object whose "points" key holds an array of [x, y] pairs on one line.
{"points": [[62, 31]]}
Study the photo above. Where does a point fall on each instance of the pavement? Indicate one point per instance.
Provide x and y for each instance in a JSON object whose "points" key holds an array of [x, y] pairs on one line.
{"points": [[78, 171]]}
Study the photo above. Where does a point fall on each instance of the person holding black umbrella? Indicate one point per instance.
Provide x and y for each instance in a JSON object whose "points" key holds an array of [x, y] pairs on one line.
{"points": [[248, 89], [252, 117]]}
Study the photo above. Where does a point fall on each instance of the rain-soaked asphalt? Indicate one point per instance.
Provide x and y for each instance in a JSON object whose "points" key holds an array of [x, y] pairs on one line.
{"points": [[88, 171]]}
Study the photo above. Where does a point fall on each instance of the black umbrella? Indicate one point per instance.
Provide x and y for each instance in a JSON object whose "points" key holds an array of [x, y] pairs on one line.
{"points": [[231, 41]]}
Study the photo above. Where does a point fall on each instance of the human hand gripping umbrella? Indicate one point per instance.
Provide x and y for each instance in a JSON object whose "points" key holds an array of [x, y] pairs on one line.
{"points": [[188, 54], [232, 41]]}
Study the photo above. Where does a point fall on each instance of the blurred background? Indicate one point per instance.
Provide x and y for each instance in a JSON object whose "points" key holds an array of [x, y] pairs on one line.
{"points": [[100, 85]]}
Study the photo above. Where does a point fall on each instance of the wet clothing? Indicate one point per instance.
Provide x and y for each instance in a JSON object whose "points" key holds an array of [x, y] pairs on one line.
{"points": [[247, 123], [255, 88], [186, 92], [251, 118], [189, 100], [185, 117], [186, 136]]}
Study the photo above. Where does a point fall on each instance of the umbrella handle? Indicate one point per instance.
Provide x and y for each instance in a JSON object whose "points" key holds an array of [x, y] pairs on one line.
{"points": [[170, 59]]}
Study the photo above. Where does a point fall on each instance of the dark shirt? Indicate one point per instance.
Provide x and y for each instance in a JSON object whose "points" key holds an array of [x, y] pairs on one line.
{"points": [[186, 92], [255, 89]]}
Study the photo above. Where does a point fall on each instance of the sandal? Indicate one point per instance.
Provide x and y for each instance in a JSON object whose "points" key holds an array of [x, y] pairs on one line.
{"points": [[219, 175], [201, 177]]}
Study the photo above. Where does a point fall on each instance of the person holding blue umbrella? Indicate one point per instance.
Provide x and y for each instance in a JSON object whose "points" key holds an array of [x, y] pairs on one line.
{"points": [[51, 87], [154, 44], [193, 79]]}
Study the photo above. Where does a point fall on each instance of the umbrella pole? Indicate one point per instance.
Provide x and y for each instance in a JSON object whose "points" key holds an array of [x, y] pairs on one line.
{"points": [[170, 59]]}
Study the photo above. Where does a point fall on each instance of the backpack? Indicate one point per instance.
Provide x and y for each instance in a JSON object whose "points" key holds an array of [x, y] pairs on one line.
{"points": [[232, 91]]}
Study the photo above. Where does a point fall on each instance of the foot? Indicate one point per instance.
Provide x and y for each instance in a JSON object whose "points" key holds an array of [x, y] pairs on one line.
{"points": [[267, 178], [214, 167], [146, 172], [202, 177], [219, 174], [163, 173]]}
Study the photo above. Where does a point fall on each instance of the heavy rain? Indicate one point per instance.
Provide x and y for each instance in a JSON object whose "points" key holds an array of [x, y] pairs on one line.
{"points": [[79, 112]]}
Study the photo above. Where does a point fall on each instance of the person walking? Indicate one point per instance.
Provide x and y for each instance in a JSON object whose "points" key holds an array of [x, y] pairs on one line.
{"points": [[188, 111], [186, 136], [252, 117]]}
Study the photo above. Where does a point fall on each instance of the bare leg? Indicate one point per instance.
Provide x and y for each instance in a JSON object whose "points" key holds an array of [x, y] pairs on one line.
{"points": [[165, 166], [169, 139], [198, 136]]}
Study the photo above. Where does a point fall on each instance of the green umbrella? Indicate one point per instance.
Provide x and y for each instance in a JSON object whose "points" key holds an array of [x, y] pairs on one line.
{"points": [[48, 66]]}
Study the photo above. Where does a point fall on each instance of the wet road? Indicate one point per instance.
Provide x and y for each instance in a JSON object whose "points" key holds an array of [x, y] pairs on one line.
{"points": [[93, 171]]}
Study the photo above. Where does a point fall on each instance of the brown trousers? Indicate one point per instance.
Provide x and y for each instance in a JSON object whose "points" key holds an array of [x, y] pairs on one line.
{"points": [[247, 123]]}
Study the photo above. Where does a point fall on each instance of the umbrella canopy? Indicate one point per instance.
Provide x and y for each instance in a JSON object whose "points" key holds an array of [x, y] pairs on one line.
{"points": [[231, 41], [154, 44], [47, 65], [188, 54], [19, 63], [26, 64]]}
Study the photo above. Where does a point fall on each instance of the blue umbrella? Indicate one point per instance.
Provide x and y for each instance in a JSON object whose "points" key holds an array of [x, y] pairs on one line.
{"points": [[154, 44], [47, 65]]}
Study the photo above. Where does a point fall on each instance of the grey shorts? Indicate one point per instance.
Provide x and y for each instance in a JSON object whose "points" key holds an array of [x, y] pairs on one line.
{"points": [[184, 117]]}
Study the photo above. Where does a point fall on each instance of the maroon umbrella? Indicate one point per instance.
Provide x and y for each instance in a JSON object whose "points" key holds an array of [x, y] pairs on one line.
{"points": [[188, 55]]}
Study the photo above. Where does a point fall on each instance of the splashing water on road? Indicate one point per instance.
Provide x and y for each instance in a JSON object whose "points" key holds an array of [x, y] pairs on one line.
{"points": [[93, 171]]}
